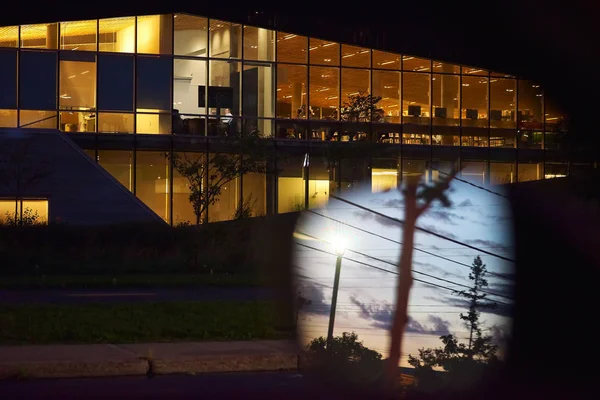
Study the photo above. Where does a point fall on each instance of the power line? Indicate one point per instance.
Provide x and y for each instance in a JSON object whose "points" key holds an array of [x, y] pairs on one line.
{"points": [[392, 272], [417, 272], [423, 229], [400, 243], [474, 185]]}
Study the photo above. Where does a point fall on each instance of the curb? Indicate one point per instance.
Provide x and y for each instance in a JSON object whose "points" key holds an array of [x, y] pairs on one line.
{"points": [[229, 363]]}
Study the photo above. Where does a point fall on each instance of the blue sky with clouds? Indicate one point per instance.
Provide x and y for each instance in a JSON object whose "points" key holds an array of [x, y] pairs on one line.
{"points": [[367, 295]]}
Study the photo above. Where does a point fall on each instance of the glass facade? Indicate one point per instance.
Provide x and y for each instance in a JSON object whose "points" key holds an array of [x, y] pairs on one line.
{"points": [[185, 77]]}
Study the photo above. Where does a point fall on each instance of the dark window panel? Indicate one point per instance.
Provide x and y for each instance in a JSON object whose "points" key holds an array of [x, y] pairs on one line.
{"points": [[115, 82], [37, 72], [8, 79], [154, 83]]}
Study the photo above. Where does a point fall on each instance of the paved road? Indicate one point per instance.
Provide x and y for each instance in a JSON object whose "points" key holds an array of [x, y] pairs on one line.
{"points": [[75, 296], [263, 385]]}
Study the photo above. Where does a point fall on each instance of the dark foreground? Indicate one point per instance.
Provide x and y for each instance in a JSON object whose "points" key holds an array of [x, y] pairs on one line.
{"points": [[281, 385]]}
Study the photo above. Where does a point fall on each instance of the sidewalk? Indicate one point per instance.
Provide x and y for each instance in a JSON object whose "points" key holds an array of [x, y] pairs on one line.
{"points": [[70, 361]]}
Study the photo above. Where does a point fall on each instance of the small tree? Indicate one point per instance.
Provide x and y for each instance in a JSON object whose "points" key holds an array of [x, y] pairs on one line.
{"points": [[207, 176], [346, 360], [245, 208], [361, 107], [464, 363]]}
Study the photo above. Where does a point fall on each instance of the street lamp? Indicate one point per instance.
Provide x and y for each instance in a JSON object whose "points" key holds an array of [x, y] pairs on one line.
{"points": [[339, 248]]}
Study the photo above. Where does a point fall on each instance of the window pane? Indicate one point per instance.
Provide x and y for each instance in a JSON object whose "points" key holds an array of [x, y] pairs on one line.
{"points": [[530, 172], [258, 90], [556, 170], [355, 81], [39, 208], [8, 118], [386, 84], [37, 119], [528, 139], [190, 35], [291, 91], [259, 44], [115, 123], [40, 36], [154, 34], [324, 96], [410, 63], [255, 193], [474, 101], [153, 124], [384, 175], [224, 208], [554, 115], [319, 185], [189, 86], [153, 83], [385, 60], [115, 82], [78, 35], [73, 121], [474, 71], [292, 48], [353, 56], [416, 101], [502, 173], [183, 212], [119, 163], [152, 181], [503, 102], [446, 68], [225, 75], [9, 36], [117, 35], [531, 105], [290, 185], [37, 76], [413, 170], [77, 85], [225, 39], [446, 110], [324, 52], [8, 79]]}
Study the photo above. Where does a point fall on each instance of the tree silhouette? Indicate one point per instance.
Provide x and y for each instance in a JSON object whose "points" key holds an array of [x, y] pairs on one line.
{"points": [[208, 175], [361, 107], [464, 363], [418, 197]]}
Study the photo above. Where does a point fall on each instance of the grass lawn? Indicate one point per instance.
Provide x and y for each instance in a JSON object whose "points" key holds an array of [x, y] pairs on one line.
{"points": [[139, 322], [126, 281]]}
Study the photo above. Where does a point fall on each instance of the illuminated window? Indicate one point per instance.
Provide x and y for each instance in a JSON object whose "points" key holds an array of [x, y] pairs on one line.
{"points": [[37, 119], [474, 104], [259, 44], [152, 181], [324, 52], [77, 85], [9, 36], [503, 115], [530, 115], [446, 68], [39, 36], [189, 76], [154, 34], [354, 82], [8, 118], [76, 121], [115, 123], [416, 98], [291, 91], [530, 171], [183, 212], [383, 60], [79, 35], [119, 163], [473, 171], [255, 193], [227, 76], [353, 56], [117, 35], [384, 175], [224, 209], [24, 212], [191, 35], [225, 39], [153, 124], [292, 48], [387, 85], [290, 185], [324, 93], [446, 109], [474, 71], [413, 170], [410, 63], [502, 173]]}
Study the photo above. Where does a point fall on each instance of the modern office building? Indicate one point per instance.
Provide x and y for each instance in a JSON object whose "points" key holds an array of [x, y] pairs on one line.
{"points": [[118, 87]]}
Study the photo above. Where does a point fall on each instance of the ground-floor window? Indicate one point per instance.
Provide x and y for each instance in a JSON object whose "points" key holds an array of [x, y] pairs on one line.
{"points": [[24, 212]]}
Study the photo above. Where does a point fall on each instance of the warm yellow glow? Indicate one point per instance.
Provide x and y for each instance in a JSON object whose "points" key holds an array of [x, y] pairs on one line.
{"points": [[383, 179], [35, 208]]}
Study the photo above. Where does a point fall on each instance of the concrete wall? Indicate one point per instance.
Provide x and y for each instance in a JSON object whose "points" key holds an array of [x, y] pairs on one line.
{"points": [[80, 192]]}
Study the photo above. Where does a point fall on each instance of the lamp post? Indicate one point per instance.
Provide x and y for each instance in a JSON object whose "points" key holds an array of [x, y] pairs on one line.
{"points": [[339, 250]]}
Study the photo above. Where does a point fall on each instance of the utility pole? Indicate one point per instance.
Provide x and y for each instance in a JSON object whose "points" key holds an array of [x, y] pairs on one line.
{"points": [[336, 285]]}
